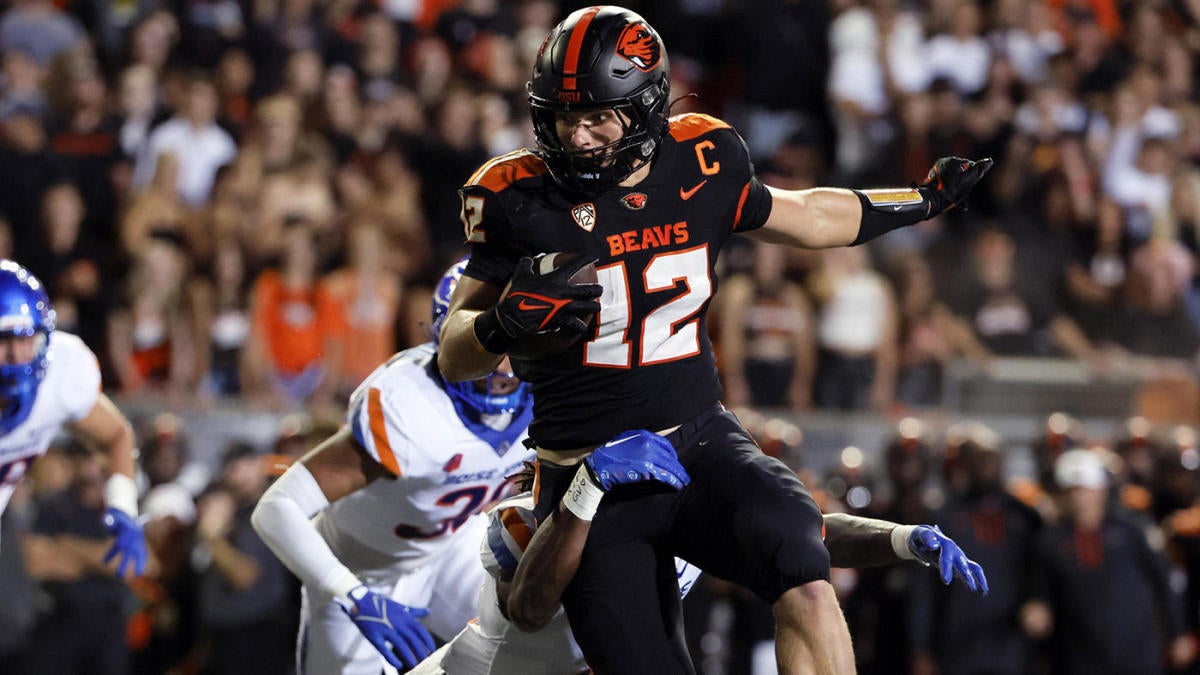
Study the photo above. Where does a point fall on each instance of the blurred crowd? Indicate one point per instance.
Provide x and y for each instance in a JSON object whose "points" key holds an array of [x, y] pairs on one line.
{"points": [[1091, 552], [1090, 547], [251, 199]]}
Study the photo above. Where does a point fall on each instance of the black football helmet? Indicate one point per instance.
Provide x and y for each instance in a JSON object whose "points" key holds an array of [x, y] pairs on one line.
{"points": [[599, 58]]}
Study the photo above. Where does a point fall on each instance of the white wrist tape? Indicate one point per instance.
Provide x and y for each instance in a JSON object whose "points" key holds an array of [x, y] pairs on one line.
{"points": [[900, 536], [282, 519], [121, 493], [583, 497]]}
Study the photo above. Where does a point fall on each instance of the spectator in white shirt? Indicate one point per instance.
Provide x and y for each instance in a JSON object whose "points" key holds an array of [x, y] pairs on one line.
{"points": [[194, 137], [1137, 170], [962, 55]]}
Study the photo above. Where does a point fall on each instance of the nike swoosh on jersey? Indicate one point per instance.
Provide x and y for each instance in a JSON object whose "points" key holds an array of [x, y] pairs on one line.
{"points": [[687, 194]]}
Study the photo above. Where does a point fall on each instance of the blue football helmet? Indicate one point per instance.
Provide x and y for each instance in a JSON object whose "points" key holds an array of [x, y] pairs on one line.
{"points": [[24, 312], [481, 395]]}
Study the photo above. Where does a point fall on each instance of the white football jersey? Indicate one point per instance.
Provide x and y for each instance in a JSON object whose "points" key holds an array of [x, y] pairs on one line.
{"points": [[403, 417], [67, 393]]}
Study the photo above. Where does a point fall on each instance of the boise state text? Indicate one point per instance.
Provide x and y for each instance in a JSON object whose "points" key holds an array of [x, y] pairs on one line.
{"points": [[656, 246], [478, 476]]}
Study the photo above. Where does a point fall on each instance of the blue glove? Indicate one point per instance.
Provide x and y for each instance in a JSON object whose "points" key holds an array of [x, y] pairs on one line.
{"points": [[634, 457], [391, 627], [129, 542], [934, 548]]}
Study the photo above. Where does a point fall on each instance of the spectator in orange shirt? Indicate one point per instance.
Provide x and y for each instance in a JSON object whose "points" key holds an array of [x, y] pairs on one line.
{"points": [[369, 292], [293, 351]]}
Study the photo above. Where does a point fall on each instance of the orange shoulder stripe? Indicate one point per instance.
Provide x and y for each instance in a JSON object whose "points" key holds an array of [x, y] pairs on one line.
{"points": [[379, 431], [690, 125], [502, 171]]}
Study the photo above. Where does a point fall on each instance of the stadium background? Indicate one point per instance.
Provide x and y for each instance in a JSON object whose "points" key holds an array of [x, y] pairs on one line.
{"points": [[241, 206]]}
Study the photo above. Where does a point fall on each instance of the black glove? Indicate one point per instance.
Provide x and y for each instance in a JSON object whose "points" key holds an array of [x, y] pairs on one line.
{"points": [[538, 304], [950, 181]]}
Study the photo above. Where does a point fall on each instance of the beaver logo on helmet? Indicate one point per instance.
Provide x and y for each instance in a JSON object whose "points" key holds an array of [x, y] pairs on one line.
{"points": [[600, 58], [637, 44]]}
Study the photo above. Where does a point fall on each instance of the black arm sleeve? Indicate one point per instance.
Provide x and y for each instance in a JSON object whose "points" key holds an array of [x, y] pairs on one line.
{"points": [[887, 210]]}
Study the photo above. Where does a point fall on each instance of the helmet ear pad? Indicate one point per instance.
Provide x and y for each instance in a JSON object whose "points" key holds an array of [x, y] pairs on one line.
{"points": [[600, 58]]}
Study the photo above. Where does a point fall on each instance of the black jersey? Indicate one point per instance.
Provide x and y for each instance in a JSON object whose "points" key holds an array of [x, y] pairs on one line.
{"points": [[648, 363]]}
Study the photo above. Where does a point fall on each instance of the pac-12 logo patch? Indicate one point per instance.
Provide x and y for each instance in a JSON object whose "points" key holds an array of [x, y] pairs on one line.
{"points": [[634, 201], [585, 216], [638, 44]]}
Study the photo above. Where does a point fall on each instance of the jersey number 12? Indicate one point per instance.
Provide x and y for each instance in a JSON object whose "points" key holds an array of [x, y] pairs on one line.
{"points": [[670, 331]]}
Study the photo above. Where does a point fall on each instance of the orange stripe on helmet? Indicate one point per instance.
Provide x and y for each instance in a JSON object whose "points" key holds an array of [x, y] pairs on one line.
{"points": [[379, 431], [516, 526], [574, 45]]}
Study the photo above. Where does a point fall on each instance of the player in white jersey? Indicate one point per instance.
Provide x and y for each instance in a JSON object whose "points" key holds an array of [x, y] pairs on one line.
{"points": [[50, 381], [492, 645], [381, 522]]}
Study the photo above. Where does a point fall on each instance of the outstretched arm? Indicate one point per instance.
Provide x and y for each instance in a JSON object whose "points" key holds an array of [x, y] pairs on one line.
{"points": [[829, 217], [866, 542]]}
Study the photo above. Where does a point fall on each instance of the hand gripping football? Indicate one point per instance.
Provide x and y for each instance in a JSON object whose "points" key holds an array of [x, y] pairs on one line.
{"points": [[545, 343], [548, 262]]}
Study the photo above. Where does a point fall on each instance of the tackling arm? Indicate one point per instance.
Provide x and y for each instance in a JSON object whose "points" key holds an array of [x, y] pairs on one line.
{"points": [[866, 542], [553, 555], [548, 565], [554, 552], [860, 542]]}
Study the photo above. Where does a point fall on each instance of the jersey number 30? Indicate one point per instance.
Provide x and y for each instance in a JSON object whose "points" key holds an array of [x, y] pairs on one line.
{"points": [[670, 331], [472, 499]]}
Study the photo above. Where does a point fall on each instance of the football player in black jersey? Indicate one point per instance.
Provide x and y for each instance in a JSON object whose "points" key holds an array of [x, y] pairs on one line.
{"points": [[651, 199]]}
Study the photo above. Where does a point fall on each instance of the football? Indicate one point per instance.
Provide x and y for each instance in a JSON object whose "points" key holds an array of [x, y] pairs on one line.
{"points": [[547, 343], [548, 262]]}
